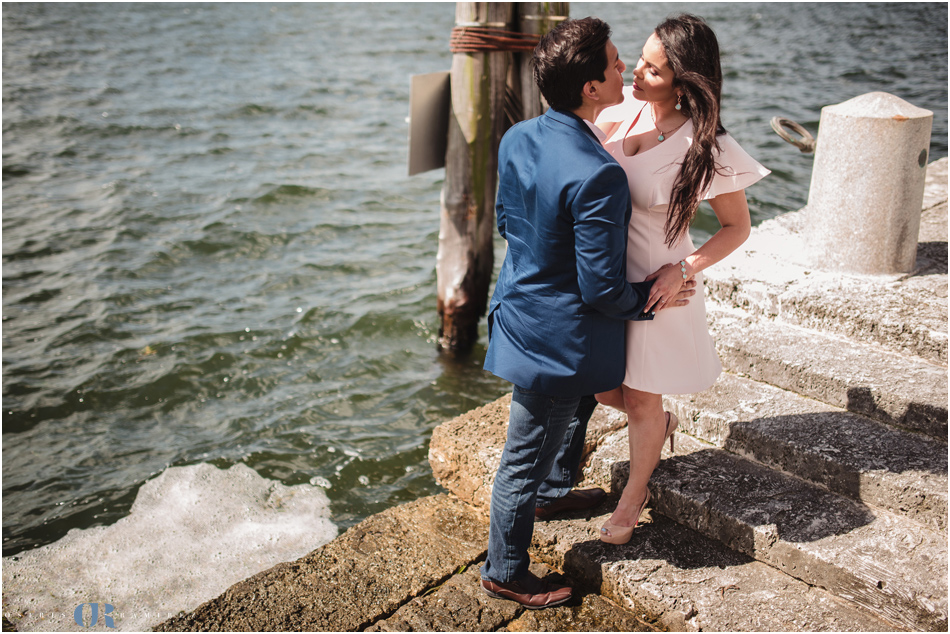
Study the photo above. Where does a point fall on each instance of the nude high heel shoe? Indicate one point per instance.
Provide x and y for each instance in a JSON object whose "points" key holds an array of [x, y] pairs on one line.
{"points": [[671, 429], [614, 534]]}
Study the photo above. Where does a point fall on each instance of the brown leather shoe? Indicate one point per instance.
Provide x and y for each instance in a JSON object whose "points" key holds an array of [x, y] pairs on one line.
{"points": [[574, 501], [531, 592]]}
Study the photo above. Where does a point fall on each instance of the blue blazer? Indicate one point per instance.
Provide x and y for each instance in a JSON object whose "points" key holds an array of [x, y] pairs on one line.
{"points": [[556, 318]]}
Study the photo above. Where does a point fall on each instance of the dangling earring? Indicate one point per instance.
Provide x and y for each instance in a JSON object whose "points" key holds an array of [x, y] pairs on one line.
{"points": [[679, 106]]}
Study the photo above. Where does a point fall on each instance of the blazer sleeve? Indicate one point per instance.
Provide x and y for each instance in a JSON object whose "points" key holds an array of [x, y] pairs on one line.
{"points": [[600, 239], [500, 216]]}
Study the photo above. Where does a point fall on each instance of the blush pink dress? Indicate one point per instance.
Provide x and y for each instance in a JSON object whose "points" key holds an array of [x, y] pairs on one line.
{"points": [[674, 353]]}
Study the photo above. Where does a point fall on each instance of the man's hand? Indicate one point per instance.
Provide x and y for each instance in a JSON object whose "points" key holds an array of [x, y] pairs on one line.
{"points": [[688, 290], [669, 288]]}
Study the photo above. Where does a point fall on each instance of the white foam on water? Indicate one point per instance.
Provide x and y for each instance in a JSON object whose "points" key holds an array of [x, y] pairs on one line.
{"points": [[191, 533]]}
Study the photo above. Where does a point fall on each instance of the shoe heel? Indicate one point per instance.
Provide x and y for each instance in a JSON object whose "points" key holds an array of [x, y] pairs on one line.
{"points": [[671, 424]]}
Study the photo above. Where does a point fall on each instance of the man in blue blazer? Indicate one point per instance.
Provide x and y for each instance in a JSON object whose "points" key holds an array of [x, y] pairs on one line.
{"points": [[556, 318]]}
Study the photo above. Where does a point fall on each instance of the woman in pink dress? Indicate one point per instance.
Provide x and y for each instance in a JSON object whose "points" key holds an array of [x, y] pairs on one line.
{"points": [[668, 137]]}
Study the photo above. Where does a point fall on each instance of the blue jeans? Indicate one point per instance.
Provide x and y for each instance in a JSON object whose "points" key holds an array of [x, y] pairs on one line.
{"points": [[538, 465]]}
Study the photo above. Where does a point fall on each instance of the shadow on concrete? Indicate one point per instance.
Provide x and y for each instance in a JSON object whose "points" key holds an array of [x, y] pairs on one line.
{"points": [[852, 456], [931, 259], [658, 544], [710, 510], [834, 448], [747, 506], [751, 504], [659, 540], [919, 417]]}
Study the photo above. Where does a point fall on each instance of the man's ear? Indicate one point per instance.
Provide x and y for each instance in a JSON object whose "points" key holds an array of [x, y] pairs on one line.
{"points": [[589, 92]]}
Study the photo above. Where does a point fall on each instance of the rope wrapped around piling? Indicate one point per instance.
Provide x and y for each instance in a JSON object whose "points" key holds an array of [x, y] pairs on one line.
{"points": [[474, 39]]}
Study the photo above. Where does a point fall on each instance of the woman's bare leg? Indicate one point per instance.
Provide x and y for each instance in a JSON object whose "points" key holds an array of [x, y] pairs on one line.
{"points": [[613, 398], [646, 426]]}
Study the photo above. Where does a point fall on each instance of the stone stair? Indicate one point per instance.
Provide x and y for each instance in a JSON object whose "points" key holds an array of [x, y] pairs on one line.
{"points": [[846, 453], [892, 388], [809, 488]]}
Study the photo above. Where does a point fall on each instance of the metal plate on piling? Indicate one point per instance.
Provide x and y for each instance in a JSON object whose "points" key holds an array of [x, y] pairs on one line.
{"points": [[428, 121]]}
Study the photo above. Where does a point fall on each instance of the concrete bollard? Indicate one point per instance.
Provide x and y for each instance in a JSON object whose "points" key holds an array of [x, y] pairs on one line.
{"points": [[867, 185]]}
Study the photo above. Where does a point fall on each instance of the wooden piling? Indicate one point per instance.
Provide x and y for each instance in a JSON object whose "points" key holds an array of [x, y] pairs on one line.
{"points": [[491, 90], [536, 18], [465, 258]]}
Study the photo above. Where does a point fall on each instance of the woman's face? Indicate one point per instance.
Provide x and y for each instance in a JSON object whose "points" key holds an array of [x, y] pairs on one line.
{"points": [[652, 77]]}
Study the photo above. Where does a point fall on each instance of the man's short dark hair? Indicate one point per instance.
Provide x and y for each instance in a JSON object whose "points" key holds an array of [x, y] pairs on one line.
{"points": [[569, 56]]}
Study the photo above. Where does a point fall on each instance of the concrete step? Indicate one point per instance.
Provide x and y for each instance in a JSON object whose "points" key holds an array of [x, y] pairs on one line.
{"points": [[770, 277], [720, 591], [899, 390], [849, 454], [858, 308], [415, 567], [876, 559], [684, 591], [460, 605], [681, 581]]}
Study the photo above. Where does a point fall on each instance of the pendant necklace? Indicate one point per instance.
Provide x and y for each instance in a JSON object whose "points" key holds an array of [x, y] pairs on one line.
{"points": [[663, 134]]}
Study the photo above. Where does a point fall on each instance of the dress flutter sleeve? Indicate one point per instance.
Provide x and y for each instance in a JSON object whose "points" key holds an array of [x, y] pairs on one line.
{"points": [[735, 169]]}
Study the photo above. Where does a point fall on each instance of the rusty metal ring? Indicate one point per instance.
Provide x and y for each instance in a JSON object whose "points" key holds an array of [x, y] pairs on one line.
{"points": [[806, 143]]}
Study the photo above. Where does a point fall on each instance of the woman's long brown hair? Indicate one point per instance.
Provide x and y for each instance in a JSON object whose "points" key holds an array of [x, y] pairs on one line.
{"points": [[692, 51]]}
